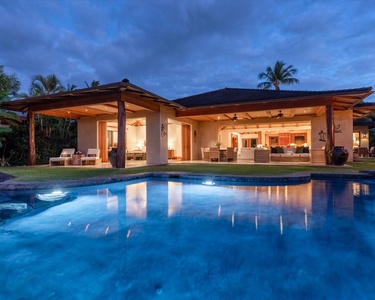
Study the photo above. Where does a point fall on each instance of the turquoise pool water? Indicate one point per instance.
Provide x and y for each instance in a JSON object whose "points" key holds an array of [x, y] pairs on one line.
{"points": [[184, 240]]}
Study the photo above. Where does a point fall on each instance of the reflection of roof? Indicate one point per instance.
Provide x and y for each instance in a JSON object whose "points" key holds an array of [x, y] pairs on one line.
{"points": [[228, 96]]}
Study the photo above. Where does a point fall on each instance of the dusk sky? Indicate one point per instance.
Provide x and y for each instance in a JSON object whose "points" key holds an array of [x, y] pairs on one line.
{"points": [[181, 48]]}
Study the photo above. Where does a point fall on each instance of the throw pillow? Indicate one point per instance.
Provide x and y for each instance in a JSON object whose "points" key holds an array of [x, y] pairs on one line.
{"points": [[299, 149], [280, 149], [91, 155], [273, 150], [305, 149]]}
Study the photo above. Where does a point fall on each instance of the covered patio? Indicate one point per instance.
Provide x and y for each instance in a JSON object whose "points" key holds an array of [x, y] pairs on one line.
{"points": [[140, 124]]}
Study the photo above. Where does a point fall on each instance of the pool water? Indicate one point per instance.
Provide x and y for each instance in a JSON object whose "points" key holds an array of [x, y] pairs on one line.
{"points": [[185, 240]]}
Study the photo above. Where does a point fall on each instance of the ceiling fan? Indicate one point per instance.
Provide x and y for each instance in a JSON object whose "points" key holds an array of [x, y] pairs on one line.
{"points": [[280, 114], [234, 118]]}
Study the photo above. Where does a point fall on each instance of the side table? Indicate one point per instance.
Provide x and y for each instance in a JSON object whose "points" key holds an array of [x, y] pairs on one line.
{"points": [[76, 159]]}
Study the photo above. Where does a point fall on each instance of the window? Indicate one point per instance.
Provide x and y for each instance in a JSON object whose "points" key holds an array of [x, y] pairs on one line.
{"points": [[247, 143], [299, 140]]}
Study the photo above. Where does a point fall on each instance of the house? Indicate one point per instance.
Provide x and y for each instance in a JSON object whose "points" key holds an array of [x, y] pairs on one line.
{"points": [[143, 125]]}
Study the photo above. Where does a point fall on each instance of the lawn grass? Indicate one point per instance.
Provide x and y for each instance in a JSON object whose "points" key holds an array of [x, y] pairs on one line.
{"points": [[46, 173]]}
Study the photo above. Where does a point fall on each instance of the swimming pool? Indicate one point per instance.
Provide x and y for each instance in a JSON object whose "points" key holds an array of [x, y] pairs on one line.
{"points": [[184, 240]]}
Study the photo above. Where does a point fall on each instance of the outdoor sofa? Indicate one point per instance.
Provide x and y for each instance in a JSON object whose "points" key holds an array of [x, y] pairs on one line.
{"points": [[293, 154]]}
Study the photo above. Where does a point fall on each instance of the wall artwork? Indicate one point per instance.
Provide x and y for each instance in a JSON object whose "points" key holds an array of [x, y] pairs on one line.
{"points": [[322, 136], [163, 131], [338, 128]]}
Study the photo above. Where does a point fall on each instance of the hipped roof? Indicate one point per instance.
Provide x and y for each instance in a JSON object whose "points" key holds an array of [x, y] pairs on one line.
{"points": [[102, 100], [242, 100]]}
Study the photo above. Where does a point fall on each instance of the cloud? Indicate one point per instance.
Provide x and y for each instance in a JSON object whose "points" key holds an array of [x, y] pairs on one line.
{"points": [[179, 48]]}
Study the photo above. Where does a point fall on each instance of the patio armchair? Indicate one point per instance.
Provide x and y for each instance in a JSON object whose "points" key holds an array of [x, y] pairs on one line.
{"points": [[230, 154], [214, 153], [64, 159], [92, 157], [205, 153]]}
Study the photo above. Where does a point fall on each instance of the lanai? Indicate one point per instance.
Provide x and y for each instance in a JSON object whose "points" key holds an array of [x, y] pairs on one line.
{"points": [[119, 100]]}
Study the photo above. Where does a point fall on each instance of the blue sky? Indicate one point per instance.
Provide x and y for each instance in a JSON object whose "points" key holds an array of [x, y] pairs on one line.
{"points": [[180, 48]]}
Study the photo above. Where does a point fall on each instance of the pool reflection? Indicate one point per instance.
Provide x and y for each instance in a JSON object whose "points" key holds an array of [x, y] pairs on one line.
{"points": [[301, 206]]}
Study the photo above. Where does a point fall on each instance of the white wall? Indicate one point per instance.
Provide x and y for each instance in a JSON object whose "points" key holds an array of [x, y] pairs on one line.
{"points": [[174, 139], [157, 139], [343, 121], [135, 138], [87, 134]]}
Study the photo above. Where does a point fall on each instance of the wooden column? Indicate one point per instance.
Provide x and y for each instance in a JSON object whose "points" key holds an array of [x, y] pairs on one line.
{"points": [[121, 143], [330, 139], [31, 156]]}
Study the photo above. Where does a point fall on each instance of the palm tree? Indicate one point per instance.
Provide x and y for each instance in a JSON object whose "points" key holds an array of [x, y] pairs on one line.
{"points": [[70, 87], [9, 87], [279, 74], [94, 83], [41, 85]]}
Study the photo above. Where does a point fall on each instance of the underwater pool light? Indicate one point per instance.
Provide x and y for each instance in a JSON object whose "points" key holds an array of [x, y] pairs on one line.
{"points": [[208, 182], [54, 196]]}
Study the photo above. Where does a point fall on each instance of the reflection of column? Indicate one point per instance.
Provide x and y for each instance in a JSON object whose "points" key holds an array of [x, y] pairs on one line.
{"points": [[136, 200], [336, 199], [320, 202], [112, 200], [343, 200], [174, 198]]}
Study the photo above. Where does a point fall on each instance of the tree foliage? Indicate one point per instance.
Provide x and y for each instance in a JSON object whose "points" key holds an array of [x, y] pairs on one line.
{"points": [[94, 83], [9, 87], [277, 75]]}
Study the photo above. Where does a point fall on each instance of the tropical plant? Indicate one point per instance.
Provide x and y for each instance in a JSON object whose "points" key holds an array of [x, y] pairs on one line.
{"points": [[41, 85], [50, 84], [9, 87], [94, 83], [276, 76], [70, 87]]}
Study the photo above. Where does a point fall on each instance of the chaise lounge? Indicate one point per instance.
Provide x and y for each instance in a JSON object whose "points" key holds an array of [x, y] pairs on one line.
{"points": [[92, 157], [64, 159]]}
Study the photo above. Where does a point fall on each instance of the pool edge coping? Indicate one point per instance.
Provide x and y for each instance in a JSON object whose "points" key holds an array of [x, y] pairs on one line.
{"points": [[295, 178]]}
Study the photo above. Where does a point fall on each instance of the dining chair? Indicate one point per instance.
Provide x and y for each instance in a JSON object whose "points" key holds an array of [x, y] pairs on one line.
{"points": [[214, 154], [230, 154]]}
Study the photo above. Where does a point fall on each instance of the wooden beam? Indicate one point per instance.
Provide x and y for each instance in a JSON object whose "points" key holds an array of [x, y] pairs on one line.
{"points": [[248, 115], [252, 107], [145, 103], [121, 139], [73, 102], [320, 111], [31, 156]]}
